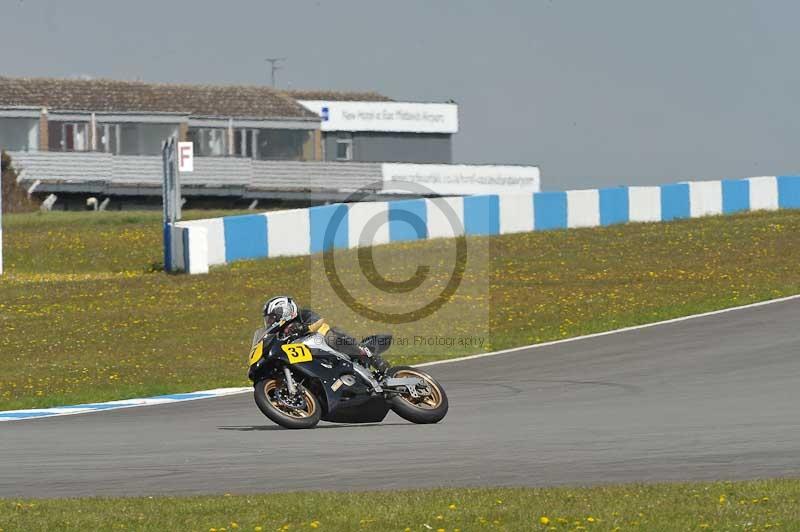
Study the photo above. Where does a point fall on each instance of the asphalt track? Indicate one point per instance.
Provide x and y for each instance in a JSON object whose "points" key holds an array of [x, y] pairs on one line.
{"points": [[715, 397]]}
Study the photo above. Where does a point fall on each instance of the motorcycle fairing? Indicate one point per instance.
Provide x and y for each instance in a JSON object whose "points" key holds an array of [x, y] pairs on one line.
{"points": [[328, 366]]}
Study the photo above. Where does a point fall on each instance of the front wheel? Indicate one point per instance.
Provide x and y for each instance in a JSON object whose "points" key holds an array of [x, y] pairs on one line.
{"points": [[301, 411], [431, 404]]}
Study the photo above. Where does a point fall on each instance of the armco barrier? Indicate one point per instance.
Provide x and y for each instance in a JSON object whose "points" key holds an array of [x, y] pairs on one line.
{"points": [[203, 243]]}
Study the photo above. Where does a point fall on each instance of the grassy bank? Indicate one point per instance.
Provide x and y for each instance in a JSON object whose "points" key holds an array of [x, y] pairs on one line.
{"points": [[752, 505], [86, 315]]}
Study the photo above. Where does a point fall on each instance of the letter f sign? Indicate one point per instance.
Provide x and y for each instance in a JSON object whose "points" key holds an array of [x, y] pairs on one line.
{"points": [[185, 157]]}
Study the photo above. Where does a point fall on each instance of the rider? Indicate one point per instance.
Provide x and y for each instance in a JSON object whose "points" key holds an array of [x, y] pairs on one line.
{"points": [[282, 315]]}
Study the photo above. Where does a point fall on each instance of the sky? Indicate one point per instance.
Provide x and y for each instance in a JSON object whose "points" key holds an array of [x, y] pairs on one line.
{"points": [[595, 93]]}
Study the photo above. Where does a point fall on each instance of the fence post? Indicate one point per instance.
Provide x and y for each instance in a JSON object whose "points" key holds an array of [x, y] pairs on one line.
{"points": [[168, 198]]}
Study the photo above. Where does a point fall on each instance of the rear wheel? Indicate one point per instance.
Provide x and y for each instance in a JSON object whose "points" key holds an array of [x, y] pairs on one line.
{"points": [[299, 411], [430, 405]]}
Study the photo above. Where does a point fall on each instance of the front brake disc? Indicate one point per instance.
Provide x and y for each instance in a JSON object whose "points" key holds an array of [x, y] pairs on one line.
{"points": [[296, 402]]}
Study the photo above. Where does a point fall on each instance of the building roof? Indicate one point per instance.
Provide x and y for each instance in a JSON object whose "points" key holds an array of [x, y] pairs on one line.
{"points": [[336, 96], [103, 95]]}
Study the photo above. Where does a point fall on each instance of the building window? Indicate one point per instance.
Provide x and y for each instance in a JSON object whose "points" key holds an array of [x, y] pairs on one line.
{"points": [[344, 147], [107, 138], [260, 144], [283, 144], [19, 134], [209, 142], [245, 142], [68, 136], [132, 138]]}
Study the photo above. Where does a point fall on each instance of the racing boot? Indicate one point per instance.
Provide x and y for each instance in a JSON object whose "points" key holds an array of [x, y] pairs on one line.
{"points": [[376, 361]]}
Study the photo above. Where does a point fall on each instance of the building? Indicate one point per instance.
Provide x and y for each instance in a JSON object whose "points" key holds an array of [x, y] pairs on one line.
{"points": [[133, 118], [377, 129], [77, 137]]}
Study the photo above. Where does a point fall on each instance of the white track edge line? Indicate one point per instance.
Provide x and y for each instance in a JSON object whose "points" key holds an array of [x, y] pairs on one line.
{"points": [[91, 408], [613, 331]]}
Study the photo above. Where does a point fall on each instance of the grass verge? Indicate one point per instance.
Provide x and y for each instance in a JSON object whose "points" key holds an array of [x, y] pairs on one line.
{"points": [[86, 315], [751, 505]]}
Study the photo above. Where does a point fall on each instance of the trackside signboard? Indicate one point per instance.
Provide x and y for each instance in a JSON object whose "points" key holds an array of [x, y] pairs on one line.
{"points": [[459, 179], [397, 117]]}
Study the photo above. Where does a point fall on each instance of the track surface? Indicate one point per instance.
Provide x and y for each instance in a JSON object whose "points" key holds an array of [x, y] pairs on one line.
{"points": [[709, 398]]}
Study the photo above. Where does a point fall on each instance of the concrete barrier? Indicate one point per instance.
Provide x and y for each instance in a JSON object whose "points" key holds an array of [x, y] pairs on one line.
{"points": [[763, 193], [190, 248], [203, 243]]}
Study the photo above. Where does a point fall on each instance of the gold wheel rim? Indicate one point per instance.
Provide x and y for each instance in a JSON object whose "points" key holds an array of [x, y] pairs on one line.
{"points": [[311, 405], [430, 402]]}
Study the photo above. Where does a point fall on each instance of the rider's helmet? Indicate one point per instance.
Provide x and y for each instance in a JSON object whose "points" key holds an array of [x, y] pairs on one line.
{"points": [[279, 311]]}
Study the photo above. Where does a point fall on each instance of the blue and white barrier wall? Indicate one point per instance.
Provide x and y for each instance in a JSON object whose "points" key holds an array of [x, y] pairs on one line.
{"points": [[198, 244]]}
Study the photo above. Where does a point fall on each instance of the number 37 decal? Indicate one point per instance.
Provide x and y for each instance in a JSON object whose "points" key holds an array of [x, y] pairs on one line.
{"points": [[297, 353]]}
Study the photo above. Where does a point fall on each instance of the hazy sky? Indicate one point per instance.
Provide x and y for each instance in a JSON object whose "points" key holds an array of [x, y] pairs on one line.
{"points": [[594, 92]]}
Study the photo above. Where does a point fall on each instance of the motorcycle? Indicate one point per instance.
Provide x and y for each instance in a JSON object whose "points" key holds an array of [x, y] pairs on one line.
{"points": [[299, 381]]}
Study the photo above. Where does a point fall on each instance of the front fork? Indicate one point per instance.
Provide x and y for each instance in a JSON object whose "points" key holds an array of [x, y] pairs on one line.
{"points": [[290, 385]]}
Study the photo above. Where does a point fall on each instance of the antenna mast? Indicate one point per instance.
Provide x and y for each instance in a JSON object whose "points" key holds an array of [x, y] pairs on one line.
{"points": [[274, 67]]}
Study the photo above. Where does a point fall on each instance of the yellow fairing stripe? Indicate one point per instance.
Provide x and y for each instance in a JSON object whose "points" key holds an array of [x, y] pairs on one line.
{"points": [[319, 326]]}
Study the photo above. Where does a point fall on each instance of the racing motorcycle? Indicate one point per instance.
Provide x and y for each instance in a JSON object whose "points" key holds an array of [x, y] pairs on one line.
{"points": [[299, 381]]}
